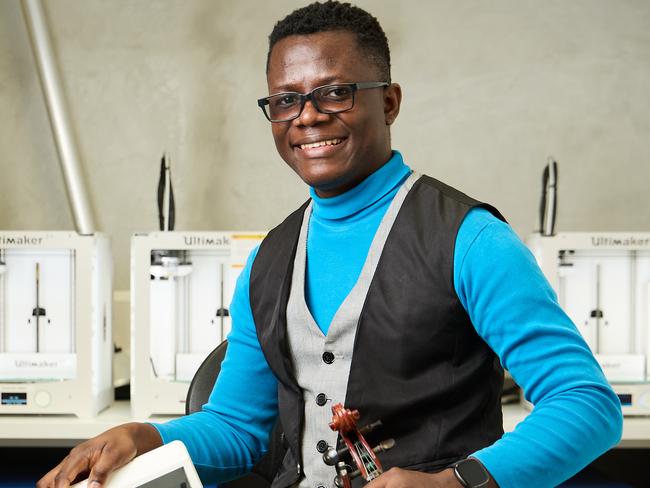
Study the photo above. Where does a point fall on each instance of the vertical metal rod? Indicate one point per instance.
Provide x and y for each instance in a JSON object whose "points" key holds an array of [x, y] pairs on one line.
{"points": [[598, 310], [633, 344], [222, 305], [3, 268], [58, 113], [38, 306]]}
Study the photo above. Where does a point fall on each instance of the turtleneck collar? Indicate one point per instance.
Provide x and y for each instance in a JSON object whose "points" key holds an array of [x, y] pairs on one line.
{"points": [[365, 194]]}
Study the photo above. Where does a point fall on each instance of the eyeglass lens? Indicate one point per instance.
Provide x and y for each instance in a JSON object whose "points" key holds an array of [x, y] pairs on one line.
{"points": [[327, 99]]}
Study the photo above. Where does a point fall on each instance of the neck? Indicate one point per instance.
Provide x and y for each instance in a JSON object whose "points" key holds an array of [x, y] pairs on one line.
{"points": [[363, 195]]}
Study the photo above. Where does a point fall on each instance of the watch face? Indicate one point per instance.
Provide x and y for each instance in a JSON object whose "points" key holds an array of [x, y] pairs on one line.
{"points": [[472, 472]]}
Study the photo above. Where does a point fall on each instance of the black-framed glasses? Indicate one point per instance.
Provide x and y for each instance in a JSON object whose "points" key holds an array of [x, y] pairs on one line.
{"points": [[327, 99]]}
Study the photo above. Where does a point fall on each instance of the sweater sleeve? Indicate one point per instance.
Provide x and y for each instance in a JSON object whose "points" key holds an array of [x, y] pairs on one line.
{"points": [[231, 433], [576, 416]]}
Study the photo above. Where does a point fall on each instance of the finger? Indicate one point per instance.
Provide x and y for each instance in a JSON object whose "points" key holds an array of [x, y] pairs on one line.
{"points": [[380, 481], [68, 471], [47, 480], [109, 460], [384, 479]]}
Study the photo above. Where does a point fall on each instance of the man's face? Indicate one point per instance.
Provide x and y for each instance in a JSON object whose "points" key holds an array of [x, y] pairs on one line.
{"points": [[358, 141]]}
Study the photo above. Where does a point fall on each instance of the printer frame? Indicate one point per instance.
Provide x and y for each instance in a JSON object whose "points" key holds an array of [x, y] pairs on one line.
{"points": [[90, 390], [634, 393], [151, 394]]}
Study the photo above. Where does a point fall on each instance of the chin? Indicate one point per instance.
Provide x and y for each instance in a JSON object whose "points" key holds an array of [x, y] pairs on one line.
{"points": [[322, 173], [330, 187], [319, 183]]}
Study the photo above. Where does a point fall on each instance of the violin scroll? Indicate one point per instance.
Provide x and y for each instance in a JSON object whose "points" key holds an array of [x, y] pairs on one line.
{"points": [[343, 419], [364, 461]]}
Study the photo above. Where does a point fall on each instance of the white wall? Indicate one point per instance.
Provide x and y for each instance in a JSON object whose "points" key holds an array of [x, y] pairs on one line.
{"points": [[490, 90]]}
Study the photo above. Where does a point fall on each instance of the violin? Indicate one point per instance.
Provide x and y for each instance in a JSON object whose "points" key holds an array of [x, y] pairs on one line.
{"points": [[362, 459]]}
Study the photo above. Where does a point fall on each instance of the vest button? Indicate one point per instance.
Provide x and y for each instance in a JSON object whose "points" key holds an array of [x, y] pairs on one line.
{"points": [[321, 399], [328, 357], [321, 446], [283, 440]]}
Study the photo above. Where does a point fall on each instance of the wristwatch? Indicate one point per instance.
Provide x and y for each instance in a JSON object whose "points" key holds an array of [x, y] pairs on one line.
{"points": [[471, 473]]}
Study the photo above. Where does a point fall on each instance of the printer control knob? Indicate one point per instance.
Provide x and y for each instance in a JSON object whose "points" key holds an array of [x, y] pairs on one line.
{"points": [[644, 401], [42, 399]]}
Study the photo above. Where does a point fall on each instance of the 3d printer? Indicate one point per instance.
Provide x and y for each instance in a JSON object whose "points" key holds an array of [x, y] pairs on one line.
{"points": [[55, 323], [602, 280], [181, 287], [603, 283]]}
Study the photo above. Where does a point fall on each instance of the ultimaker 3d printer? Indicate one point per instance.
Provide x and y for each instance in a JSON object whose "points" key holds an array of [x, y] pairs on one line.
{"points": [[55, 323], [181, 287]]}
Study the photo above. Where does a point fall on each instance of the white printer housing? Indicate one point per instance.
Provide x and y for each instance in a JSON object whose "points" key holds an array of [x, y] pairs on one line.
{"points": [[55, 323], [602, 280], [182, 284]]}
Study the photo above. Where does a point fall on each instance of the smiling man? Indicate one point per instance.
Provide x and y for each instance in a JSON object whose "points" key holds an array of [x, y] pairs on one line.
{"points": [[331, 153], [387, 291]]}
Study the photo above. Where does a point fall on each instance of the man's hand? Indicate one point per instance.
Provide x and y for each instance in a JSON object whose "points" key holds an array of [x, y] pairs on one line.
{"points": [[101, 455], [404, 478]]}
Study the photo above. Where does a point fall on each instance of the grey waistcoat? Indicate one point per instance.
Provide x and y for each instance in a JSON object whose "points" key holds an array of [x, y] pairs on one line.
{"points": [[316, 378]]}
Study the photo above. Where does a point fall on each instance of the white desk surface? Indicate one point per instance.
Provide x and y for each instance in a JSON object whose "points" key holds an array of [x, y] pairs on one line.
{"points": [[63, 430], [67, 431]]}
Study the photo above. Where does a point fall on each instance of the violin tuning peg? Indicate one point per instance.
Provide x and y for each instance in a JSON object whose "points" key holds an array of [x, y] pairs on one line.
{"points": [[331, 457], [370, 427], [385, 445]]}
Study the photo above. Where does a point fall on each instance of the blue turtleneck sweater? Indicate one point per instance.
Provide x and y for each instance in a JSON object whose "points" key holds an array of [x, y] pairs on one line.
{"points": [[576, 416]]}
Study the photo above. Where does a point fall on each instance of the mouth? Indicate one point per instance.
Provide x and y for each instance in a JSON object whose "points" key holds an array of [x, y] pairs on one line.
{"points": [[323, 143]]}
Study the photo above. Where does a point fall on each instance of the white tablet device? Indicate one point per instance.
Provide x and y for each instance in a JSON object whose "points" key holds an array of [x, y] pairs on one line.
{"points": [[169, 466]]}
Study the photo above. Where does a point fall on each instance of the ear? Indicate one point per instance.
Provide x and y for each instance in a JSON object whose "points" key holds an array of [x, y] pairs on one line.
{"points": [[392, 102]]}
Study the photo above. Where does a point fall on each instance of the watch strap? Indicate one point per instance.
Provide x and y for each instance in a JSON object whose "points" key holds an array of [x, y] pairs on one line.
{"points": [[471, 473]]}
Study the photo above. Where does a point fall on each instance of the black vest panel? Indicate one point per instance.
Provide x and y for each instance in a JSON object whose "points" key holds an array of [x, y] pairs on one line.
{"points": [[418, 364]]}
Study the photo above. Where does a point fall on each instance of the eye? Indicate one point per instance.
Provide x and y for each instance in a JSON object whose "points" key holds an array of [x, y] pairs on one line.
{"points": [[284, 100], [336, 92]]}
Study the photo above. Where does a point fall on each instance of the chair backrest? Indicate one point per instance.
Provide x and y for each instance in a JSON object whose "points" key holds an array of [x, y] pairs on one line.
{"points": [[198, 395], [204, 379]]}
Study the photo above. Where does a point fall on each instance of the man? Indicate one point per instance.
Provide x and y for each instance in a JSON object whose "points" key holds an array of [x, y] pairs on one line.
{"points": [[389, 292]]}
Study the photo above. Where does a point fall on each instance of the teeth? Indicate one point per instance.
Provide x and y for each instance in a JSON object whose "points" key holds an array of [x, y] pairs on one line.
{"points": [[329, 142]]}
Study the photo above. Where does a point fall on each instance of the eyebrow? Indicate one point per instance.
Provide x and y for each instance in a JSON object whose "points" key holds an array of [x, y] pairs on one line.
{"points": [[328, 80]]}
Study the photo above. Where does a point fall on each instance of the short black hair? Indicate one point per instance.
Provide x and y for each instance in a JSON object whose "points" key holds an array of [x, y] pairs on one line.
{"points": [[336, 16]]}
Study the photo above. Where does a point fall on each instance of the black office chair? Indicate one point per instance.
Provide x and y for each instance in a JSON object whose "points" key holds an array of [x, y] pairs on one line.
{"points": [[198, 394]]}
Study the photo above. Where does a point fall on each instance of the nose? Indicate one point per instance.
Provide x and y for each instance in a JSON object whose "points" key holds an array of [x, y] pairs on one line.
{"points": [[310, 116]]}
